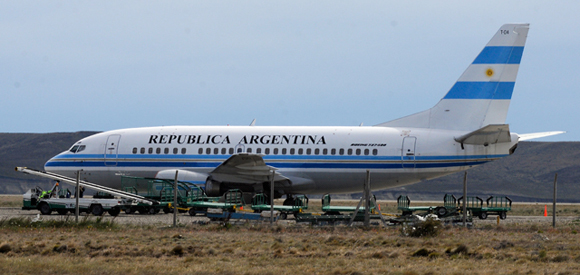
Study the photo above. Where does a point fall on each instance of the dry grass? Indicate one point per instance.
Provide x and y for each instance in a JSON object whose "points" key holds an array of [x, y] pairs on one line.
{"points": [[259, 249], [10, 200]]}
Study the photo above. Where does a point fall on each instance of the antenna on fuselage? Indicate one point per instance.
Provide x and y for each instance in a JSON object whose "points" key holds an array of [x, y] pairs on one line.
{"points": [[253, 122]]}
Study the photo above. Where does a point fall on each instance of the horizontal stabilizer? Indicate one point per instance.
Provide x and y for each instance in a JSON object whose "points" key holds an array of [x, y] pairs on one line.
{"points": [[539, 135], [490, 134]]}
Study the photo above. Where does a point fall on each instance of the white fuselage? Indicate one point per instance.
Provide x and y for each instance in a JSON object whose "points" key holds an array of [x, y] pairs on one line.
{"points": [[316, 160]]}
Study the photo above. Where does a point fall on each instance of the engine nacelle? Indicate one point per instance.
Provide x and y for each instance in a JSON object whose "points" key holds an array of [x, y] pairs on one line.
{"points": [[182, 175], [212, 188]]}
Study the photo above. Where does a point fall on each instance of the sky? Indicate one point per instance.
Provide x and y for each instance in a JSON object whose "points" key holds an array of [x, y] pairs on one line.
{"points": [[69, 66]]}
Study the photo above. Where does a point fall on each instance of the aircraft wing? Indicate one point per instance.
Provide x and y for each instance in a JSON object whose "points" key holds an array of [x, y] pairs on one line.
{"points": [[245, 168], [490, 134]]}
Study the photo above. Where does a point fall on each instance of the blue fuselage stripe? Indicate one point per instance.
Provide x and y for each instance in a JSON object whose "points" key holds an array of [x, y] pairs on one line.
{"points": [[481, 90], [394, 163], [500, 55]]}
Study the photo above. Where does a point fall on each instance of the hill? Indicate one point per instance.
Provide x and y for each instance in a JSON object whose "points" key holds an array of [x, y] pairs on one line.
{"points": [[527, 175], [30, 150]]}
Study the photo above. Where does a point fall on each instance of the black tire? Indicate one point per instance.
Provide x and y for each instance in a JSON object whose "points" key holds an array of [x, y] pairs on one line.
{"points": [[191, 212], [62, 211], [97, 210], [114, 211], [152, 211], [283, 216], [502, 215], [44, 208], [143, 211], [166, 210], [483, 215], [129, 211], [441, 211]]}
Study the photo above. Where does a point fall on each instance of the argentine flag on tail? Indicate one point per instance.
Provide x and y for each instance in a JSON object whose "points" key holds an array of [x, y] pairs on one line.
{"points": [[482, 94]]}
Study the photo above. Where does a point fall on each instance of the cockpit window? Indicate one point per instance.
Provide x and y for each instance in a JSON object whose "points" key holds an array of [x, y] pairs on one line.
{"points": [[77, 148]]}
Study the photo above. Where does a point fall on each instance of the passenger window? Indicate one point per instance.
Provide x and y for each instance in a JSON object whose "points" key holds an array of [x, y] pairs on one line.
{"points": [[375, 152], [259, 150], [240, 150], [325, 151], [208, 151], [300, 151], [249, 150], [166, 151], [366, 152], [316, 151], [308, 151], [267, 151], [333, 151], [292, 151], [158, 150], [216, 151], [231, 151], [275, 151], [349, 151], [134, 150], [142, 150], [284, 151], [150, 150], [200, 151], [224, 151], [358, 152], [341, 151], [183, 151], [175, 151]]}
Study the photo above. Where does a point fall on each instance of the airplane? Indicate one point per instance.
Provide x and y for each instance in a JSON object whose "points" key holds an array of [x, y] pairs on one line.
{"points": [[466, 128]]}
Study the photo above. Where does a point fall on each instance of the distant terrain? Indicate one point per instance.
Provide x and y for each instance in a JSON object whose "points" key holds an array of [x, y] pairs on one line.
{"points": [[527, 175]]}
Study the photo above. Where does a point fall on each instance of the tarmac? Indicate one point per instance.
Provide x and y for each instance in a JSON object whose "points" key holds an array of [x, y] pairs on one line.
{"points": [[162, 219]]}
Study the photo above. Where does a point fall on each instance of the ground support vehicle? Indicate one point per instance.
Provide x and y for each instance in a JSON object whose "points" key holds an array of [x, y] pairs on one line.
{"points": [[336, 210], [218, 214], [33, 199], [331, 219], [162, 190], [449, 208], [494, 205], [260, 204], [231, 201]]}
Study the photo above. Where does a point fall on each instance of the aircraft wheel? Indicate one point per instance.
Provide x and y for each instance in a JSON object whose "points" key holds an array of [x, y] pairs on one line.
{"points": [[62, 211], [114, 211], [152, 211], [502, 215], [441, 211], [129, 211], [283, 216], [166, 210], [44, 208], [483, 215], [97, 210], [289, 201], [191, 212]]}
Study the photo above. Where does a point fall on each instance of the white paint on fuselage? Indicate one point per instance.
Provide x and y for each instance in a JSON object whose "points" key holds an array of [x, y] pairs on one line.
{"points": [[436, 154]]}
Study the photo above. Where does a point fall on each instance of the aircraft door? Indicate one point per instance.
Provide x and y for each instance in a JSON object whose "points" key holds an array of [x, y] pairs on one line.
{"points": [[111, 150], [408, 152]]}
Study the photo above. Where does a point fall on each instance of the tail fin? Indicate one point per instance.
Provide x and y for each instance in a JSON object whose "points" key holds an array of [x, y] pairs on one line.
{"points": [[481, 96]]}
